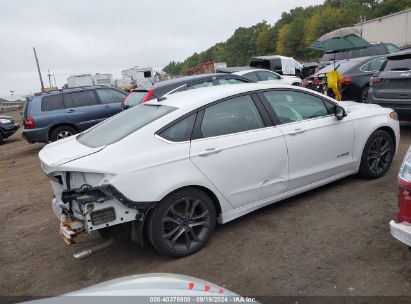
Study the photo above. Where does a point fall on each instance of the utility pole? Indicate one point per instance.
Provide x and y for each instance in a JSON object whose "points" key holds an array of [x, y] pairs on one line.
{"points": [[49, 76], [38, 69], [55, 83]]}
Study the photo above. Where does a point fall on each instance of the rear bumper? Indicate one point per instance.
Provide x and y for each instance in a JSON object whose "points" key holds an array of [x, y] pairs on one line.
{"points": [[401, 231], [36, 135]]}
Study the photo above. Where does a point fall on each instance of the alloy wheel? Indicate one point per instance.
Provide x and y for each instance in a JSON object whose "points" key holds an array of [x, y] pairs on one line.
{"points": [[63, 134], [379, 155], [185, 224]]}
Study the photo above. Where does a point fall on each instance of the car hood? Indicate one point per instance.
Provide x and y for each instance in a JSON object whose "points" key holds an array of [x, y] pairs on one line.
{"points": [[151, 284], [352, 106], [64, 151]]}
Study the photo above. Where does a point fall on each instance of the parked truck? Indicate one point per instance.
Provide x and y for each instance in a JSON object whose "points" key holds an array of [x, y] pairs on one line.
{"points": [[103, 79], [80, 80]]}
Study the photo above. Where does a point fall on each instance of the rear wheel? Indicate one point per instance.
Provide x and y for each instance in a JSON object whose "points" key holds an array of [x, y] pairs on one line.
{"points": [[62, 132], [1, 138], [364, 95], [182, 223], [377, 155]]}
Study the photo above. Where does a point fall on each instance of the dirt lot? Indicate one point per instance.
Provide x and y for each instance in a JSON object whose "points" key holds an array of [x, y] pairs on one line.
{"points": [[331, 241]]}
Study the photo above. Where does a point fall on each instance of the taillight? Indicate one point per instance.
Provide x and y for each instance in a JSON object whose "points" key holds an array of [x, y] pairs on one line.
{"points": [[316, 81], [404, 189], [347, 80], [304, 83], [29, 123], [149, 94], [375, 80]]}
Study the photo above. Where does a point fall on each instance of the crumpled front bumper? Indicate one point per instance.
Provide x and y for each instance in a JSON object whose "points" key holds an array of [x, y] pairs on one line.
{"points": [[401, 231]]}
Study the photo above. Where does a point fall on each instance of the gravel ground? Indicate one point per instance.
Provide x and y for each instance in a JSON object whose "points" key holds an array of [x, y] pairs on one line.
{"points": [[334, 240]]}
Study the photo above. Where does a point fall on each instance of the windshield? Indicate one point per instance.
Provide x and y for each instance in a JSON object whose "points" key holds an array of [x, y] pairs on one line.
{"points": [[122, 125]]}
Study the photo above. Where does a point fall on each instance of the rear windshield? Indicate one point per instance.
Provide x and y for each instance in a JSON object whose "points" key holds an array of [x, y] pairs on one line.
{"points": [[134, 98], [260, 63], [122, 125], [398, 64], [341, 67]]}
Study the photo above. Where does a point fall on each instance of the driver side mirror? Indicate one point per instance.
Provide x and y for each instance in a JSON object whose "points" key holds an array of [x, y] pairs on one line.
{"points": [[340, 112]]}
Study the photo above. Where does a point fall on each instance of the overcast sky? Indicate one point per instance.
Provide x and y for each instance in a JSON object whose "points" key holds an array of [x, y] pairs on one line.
{"points": [[93, 36]]}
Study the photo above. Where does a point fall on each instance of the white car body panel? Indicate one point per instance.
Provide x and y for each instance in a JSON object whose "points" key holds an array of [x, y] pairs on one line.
{"points": [[243, 177]]}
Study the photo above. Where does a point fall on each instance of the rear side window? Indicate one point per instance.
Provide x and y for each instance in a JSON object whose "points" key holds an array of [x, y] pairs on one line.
{"points": [[180, 131], [110, 96], [52, 103], [231, 116], [122, 125], [373, 65], [80, 99], [135, 98]]}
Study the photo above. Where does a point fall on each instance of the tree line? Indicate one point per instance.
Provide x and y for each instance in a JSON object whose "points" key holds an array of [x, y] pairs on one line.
{"points": [[291, 34]]}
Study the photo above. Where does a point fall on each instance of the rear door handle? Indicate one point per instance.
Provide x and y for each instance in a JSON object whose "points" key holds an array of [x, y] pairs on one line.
{"points": [[71, 111], [209, 151], [107, 106], [296, 131]]}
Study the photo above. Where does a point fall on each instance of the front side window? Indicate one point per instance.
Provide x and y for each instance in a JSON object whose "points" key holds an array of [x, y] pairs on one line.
{"points": [[228, 80], [122, 125], [52, 103], [110, 96], [263, 75], [201, 85], [80, 99], [231, 116], [180, 131], [291, 106]]}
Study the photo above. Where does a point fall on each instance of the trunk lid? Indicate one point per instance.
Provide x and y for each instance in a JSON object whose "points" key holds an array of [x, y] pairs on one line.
{"points": [[63, 151]]}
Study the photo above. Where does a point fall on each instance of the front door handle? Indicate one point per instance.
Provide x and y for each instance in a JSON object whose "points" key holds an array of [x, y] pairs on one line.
{"points": [[296, 131], [107, 106], [71, 111], [209, 151]]}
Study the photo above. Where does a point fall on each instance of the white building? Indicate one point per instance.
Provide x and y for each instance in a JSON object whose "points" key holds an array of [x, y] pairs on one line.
{"points": [[394, 28]]}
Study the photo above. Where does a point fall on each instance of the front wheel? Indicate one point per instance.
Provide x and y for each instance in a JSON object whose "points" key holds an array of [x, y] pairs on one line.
{"points": [[182, 223], [377, 155]]}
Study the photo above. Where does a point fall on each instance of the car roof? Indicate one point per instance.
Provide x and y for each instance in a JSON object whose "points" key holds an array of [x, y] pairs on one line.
{"points": [[193, 99], [75, 89]]}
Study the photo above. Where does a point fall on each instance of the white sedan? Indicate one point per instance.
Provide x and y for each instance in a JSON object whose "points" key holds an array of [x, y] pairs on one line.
{"points": [[170, 170], [269, 77]]}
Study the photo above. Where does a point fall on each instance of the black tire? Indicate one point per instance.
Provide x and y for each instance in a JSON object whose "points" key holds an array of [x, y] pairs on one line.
{"points": [[1, 138], [62, 132], [182, 223], [364, 95], [377, 155]]}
